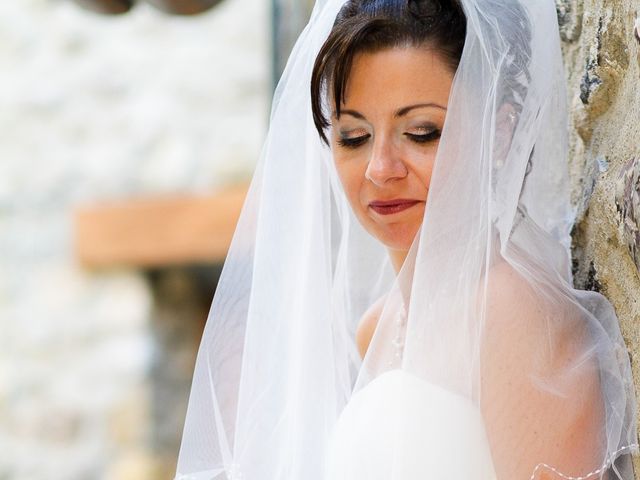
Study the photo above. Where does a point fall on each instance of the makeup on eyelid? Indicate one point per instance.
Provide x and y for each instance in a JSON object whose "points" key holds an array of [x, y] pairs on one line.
{"points": [[427, 134]]}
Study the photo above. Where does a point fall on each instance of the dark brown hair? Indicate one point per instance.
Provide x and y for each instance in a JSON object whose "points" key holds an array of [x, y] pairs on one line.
{"points": [[374, 25]]}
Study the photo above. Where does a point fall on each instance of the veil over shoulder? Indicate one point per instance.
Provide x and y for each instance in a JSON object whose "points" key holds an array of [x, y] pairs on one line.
{"points": [[485, 361]]}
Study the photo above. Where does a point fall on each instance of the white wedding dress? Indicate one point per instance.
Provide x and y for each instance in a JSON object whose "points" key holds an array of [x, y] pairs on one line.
{"points": [[400, 427]]}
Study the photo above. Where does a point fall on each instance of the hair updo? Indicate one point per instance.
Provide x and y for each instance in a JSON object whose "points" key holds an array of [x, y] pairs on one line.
{"points": [[373, 25]]}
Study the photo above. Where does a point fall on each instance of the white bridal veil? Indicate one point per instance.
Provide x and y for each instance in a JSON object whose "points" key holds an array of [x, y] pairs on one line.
{"points": [[482, 322]]}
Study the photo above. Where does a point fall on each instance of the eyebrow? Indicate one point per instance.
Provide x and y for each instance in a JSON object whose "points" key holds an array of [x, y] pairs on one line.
{"points": [[405, 110], [399, 113]]}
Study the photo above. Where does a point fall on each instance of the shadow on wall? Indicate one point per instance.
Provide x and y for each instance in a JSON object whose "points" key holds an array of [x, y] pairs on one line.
{"points": [[182, 297]]}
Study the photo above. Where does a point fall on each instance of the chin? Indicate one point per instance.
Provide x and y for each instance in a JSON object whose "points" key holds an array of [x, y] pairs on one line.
{"points": [[396, 237]]}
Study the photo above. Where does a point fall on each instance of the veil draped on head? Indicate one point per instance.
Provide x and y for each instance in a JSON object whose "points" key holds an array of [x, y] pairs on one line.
{"points": [[483, 311]]}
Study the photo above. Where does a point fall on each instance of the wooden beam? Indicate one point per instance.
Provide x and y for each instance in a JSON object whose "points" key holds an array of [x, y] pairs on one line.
{"points": [[158, 232]]}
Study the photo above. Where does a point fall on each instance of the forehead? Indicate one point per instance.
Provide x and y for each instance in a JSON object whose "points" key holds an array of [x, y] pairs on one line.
{"points": [[395, 77]]}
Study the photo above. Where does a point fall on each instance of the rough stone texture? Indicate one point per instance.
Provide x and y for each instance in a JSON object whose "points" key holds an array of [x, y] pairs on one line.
{"points": [[602, 59], [92, 109]]}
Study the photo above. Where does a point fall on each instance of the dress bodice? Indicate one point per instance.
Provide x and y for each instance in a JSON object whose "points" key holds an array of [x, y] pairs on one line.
{"points": [[400, 427]]}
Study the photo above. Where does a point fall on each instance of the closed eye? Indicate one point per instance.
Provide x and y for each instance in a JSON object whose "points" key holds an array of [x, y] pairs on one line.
{"points": [[424, 137], [353, 142]]}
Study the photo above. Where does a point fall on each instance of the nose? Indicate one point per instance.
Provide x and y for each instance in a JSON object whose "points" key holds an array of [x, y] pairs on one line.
{"points": [[385, 163]]}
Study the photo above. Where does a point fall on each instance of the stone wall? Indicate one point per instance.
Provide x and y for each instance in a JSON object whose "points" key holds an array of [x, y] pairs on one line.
{"points": [[602, 59], [94, 109]]}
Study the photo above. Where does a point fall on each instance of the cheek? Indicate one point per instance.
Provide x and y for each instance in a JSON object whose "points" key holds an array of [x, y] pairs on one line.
{"points": [[351, 175], [425, 175], [424, 168]]}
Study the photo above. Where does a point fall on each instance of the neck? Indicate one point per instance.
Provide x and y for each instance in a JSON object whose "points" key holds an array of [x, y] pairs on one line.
{"points": [[397, 258]]}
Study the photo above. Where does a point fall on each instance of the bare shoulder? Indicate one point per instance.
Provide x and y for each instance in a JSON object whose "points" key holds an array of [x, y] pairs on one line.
{"points": [[539, 379], [527, 318], [368, 324], [509, 290]]}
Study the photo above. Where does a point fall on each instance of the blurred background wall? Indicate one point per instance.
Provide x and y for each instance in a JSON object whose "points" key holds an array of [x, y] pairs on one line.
{"points": [[96, 359]]}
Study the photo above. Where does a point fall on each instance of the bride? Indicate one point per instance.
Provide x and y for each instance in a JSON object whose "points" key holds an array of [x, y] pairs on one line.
{"points": [[397, 301]]}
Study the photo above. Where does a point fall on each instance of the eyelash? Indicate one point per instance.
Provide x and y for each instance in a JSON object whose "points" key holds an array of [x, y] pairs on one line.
{"points": [[358, 141], [353, 142]]}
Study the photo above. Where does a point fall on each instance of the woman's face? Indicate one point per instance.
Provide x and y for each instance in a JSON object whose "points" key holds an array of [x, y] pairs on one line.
{"points": [[384, 143]]}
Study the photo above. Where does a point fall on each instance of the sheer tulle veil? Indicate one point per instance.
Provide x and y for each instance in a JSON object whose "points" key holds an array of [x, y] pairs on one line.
{"points": [[487, 282]]}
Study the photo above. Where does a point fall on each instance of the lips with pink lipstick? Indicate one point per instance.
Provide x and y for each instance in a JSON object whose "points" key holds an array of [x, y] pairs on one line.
{"points": [[389, 207]]}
